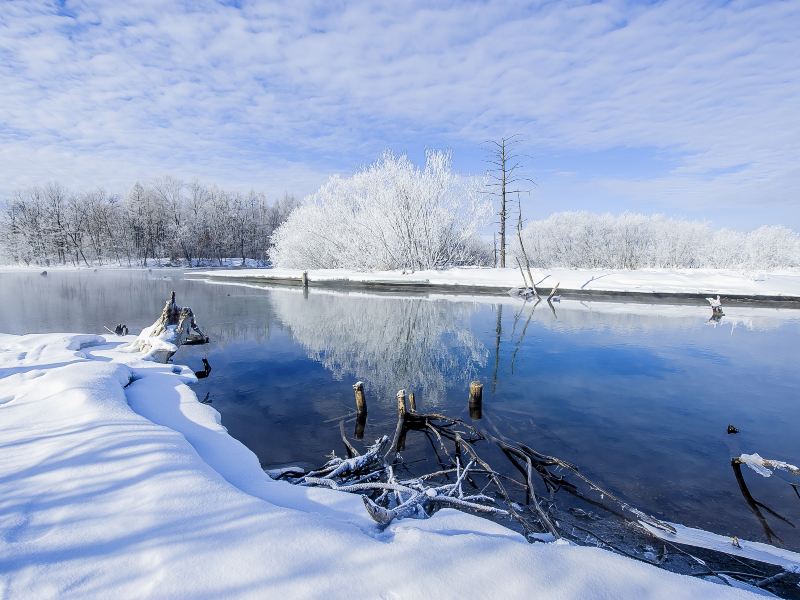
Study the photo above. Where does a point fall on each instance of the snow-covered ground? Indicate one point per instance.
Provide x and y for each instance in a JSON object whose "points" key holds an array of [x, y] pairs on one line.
{"points": [[116, 482], [659, 281]]}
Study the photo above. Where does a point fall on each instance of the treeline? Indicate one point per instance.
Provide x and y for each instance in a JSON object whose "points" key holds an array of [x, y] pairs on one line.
{"points": [[166, 219], [635, 241], [389, 215]]}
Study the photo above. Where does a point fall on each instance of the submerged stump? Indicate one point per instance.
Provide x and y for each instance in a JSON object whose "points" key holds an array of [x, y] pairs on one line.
{"points": [[475, 400]]}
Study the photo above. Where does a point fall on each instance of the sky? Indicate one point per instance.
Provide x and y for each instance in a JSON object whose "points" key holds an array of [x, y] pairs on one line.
{"points": [[686, 108]]}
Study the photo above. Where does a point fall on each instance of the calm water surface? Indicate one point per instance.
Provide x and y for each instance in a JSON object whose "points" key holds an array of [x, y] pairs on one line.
{"points": [[639, 396]]}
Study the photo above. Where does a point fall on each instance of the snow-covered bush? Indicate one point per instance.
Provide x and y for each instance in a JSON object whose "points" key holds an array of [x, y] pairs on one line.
{"points": [[631, 241], [389, 215]]}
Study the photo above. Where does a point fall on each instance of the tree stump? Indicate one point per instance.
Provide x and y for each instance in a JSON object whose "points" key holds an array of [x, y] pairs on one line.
{"points": [[475, 400], [176, 326], [361, 399]]}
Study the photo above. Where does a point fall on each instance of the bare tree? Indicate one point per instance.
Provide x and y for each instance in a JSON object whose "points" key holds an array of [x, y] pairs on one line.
{"points": [[505, 179], [161, 219]]}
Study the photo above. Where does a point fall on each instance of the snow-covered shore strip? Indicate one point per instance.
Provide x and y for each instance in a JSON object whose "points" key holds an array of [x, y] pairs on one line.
{"points": [[685, 282], [116, 482], [788, 560], [573, 311]]}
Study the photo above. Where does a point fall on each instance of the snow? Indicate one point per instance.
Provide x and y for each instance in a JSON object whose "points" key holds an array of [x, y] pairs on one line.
{"points": [[116, 482], [788, 560], [764, 466], [701, 282], [154, 346]]}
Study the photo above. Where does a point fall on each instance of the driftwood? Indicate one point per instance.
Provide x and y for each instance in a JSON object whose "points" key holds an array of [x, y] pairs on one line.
{"points": [[206, 370], [175, 327], [120, 329], [374, 471], [465, 480]]}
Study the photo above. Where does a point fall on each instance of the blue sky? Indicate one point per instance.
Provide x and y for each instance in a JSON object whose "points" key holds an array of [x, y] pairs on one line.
{"points": [[687, 108]]}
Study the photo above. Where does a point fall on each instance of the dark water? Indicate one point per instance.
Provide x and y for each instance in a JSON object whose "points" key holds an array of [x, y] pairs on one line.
{"points": [[638, 396]]}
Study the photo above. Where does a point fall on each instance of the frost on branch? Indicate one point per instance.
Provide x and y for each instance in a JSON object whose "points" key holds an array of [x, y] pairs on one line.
{"points": [[390, 215], [173, 328], [765, 466]]}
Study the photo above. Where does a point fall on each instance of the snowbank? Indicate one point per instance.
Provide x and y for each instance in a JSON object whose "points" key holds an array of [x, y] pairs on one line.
{"points": [[116, 482], [701, 282]]}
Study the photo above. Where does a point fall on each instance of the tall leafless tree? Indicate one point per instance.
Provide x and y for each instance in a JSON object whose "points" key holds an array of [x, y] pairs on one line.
{"points": [[505, 179]]}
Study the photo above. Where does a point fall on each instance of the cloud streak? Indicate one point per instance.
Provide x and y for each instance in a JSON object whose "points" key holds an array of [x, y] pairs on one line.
{"points": [[277, 96]]}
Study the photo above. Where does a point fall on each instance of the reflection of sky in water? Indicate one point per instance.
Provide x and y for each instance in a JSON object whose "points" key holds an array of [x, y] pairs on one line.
{"points": [[638, 396]]}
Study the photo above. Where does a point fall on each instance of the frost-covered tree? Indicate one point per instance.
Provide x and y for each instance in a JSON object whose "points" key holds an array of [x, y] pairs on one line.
{"points": [[632, 241], [391, 214]]}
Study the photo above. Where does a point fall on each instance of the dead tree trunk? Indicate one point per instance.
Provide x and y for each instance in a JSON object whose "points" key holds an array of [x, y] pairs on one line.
{"points": [[504, 180], [175, 327]]}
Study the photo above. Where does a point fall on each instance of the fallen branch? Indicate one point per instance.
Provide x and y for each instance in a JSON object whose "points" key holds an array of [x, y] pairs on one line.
{"points": [[765, 466]]}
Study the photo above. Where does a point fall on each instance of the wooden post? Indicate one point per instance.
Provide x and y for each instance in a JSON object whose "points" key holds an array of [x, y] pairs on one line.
{"points": [[304, 279], [361, 423], [361, 399], [401, 418], [475, 399], [412, 402], [401, 403]]}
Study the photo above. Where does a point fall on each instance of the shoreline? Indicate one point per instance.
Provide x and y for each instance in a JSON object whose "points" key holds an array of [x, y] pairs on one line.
{"points": [[681, 287]]}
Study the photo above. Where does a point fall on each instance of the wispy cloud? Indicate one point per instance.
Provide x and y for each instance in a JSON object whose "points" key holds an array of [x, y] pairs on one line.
{"points": [[277, 95]]}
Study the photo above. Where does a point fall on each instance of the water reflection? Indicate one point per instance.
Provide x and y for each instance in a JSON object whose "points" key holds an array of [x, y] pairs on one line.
{"points": [[392, 342]]}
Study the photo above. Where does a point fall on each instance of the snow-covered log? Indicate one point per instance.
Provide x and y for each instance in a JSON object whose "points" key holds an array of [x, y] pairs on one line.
{"points": [[175, 327], [765, 466]]}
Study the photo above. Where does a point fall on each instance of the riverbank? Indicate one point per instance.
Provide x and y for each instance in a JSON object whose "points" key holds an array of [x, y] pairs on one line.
{"points": [[578, 283], [116, 480]]}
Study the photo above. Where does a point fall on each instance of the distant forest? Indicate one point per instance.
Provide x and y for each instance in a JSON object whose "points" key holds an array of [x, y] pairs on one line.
{"points": [[166, 219], [635, 241]]}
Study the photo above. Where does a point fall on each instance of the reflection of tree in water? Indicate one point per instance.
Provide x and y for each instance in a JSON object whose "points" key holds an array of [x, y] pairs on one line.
{"points": [[389, 342]]}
